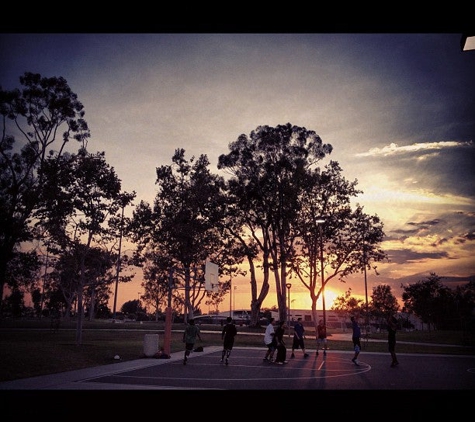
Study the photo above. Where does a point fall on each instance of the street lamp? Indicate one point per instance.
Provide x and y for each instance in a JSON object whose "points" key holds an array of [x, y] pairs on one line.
{"points": [[288, 285], [320, 221]]}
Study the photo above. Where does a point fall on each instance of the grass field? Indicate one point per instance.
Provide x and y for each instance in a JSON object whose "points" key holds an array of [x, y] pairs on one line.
{"points": [[31, 348]]}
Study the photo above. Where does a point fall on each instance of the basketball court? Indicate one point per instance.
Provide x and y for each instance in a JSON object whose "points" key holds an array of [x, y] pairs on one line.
{"points": [[336, 371]]}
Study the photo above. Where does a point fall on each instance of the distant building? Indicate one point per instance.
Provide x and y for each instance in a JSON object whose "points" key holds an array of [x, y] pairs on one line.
{"points": [[333, 320], [331, 317]]}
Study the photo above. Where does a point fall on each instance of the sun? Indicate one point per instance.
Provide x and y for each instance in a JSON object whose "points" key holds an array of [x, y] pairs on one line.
{"points": [[331, 295], [302, 300]]}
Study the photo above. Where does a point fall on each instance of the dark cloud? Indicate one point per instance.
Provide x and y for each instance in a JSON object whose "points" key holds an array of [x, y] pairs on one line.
{"points": [[404, 256]]}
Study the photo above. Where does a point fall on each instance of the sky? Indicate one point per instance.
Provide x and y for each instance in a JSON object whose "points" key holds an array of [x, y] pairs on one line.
{"points": [[398, 109]]}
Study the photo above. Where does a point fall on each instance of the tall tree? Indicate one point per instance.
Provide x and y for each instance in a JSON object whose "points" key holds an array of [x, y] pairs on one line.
{"points": [[82, 194], [182, 230], [346, 305], [333, 240], [383, 303], [428, 299], [36, 114], [465, 304], [268, 171], [23, 271]]}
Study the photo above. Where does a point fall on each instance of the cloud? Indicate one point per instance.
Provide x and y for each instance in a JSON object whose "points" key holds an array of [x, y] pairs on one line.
{"points": [[435, 173], [426, 147], [405, 256]]}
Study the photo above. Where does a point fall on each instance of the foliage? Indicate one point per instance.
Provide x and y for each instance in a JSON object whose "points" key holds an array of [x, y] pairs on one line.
{"points": [[465, 300], [81, 192], [23, 270], [347, 305], [436, 304], [180, 233], [383, 303], [334, 240], [14, 305], [269, 170], [37, 113], [132, 307]]}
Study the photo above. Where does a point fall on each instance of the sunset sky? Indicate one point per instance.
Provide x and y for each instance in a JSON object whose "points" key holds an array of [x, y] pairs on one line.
{"points": [[398, 109]]}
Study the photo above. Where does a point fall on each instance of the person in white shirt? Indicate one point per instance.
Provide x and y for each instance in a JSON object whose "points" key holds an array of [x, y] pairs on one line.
{"points": [[270, 341]]}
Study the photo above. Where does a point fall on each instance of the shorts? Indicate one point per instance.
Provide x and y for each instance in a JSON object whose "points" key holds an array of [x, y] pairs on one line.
{"points": [[271, 346], [228, 344], [320, 341], [298, 343]]}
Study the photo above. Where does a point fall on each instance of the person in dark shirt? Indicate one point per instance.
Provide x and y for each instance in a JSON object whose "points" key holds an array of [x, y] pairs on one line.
{"points": [[227, 335], [356, 338], [189, 338], [392, 328], [299, 338], [281, 349], [322, 337]]}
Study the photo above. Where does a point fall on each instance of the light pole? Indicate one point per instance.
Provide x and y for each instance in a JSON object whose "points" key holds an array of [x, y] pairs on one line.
{"points": [[234, 301], [365, 282], [167, 338], [320, 221], [230, 297], [118, 264], [288, 285]]}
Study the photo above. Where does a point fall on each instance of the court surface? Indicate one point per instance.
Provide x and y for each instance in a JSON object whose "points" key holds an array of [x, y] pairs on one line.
{"points": [[336, 371], [421, 386]]}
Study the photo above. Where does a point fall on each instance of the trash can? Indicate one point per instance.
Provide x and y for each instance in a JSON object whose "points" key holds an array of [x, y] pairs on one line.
{"points": [[150, 345]]}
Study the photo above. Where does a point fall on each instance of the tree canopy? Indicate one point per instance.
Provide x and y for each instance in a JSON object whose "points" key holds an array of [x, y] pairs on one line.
{"points": [[36, 114]]}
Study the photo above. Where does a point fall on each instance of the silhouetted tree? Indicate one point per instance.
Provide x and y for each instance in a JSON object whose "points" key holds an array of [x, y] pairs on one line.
{"points": [[81, 194], [332, 240], [346, 305], [182, 230], [14, 303], [383, 303], [37, 113], [269, 170], [132, 307], [428, 299], [36, 298]]}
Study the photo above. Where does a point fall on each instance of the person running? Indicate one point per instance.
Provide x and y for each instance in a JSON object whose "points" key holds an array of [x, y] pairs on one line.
{"points": [[322, 337], [227, 335], [299, 336], [190, 334], [356, 338], [392, 328], [280, 359], [270, 341]]}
